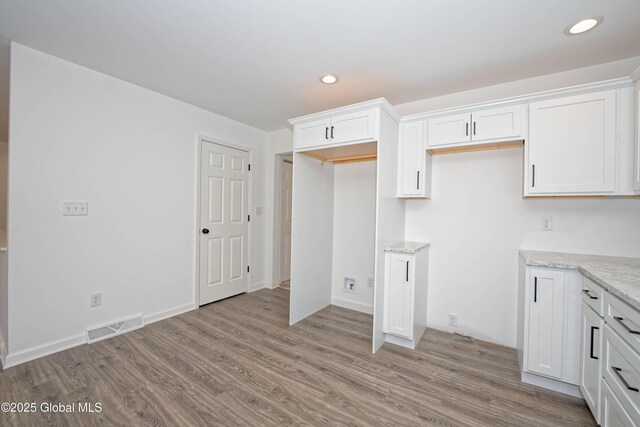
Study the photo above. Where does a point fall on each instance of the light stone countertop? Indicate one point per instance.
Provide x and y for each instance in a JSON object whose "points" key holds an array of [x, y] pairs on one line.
{"points": [[619, 276], [406, 247]]}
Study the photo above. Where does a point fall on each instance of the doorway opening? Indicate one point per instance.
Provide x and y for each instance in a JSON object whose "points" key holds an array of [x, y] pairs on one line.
{"points": [[283, 195]]}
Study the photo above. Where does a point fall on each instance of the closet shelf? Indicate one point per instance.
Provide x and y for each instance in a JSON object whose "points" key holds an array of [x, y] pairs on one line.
{"points": [[351, 153], [476, 147]]}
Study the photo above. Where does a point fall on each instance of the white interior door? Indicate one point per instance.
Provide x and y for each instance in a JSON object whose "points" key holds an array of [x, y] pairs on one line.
{"points": [[285, 214], [224, 227]]}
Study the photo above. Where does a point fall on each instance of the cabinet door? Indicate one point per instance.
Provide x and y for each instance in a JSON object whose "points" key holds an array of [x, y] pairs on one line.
{"points": [[411, 160], [572, 145], [590, 365], [353, 127], [399, 319], [448, 130], [546, 322], [498, 123], [312, 134]]}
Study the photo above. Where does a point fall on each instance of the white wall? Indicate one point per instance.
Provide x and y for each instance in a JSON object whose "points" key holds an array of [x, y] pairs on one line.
{"points": [[354, 222], [3, 185], [76, 134]]}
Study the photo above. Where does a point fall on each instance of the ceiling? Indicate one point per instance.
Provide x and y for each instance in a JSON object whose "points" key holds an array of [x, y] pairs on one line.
{"points": [[259, 61]]}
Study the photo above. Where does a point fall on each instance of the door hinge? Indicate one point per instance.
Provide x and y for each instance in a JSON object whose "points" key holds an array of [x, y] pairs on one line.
{"points": [[249, 167], [248, 218], [248, 269]]}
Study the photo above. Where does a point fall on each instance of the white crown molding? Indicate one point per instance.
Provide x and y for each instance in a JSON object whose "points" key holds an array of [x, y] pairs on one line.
{"points": [[635, 76], [523, 99], [374, 103]]}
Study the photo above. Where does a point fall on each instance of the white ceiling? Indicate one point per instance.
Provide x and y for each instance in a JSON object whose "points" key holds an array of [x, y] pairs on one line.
{"points": [[258, 61]]}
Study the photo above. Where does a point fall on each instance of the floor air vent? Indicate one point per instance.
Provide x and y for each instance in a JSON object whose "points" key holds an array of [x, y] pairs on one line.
{"points": [[99, 333]]}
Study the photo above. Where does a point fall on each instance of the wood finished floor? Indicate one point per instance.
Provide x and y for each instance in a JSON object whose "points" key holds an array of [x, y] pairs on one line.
{"points": [[237, 362]]}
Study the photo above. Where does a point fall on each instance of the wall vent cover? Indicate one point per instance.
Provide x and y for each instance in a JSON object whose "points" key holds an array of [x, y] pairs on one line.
{"points": [[119, 327]]}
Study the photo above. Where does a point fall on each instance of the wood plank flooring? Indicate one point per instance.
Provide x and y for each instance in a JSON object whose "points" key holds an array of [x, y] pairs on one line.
{"points": [[237, 362]]}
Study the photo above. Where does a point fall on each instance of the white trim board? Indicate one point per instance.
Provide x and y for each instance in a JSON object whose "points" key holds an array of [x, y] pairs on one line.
{"points": [[47, 349], [356, 306], [378, 102], [522, 99], [3, 352]]}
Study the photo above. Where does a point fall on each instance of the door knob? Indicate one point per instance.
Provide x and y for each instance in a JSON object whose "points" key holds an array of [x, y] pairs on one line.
{"points": [[205, 231]]}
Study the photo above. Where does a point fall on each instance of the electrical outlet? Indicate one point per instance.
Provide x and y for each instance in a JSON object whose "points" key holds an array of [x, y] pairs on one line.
{"points": [[75, 208], [349, 284], [95, 299], [547, 223], [370, 282], [453, 319]]}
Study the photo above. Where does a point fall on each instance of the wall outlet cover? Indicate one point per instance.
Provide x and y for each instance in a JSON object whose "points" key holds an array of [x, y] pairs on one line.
{"points": [[95, 299], [547, 223]]}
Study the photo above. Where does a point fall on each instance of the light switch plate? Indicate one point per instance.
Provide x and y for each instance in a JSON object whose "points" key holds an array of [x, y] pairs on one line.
{"points": [[70, 208]]}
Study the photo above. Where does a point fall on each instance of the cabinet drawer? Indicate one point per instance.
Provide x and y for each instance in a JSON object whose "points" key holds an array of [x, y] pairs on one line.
{"points": [[593, 295], [613, 415], [623, 319], [621, 371]]}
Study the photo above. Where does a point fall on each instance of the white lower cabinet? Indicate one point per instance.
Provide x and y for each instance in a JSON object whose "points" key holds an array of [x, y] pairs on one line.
{"points": [[613, 414], [405, 296], [591, 357], [549, 329]]}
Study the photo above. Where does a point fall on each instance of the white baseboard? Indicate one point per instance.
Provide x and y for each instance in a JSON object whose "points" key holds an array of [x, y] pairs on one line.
{"points": [[548, 383], [357, 306], [42, 350], [14, 359], [165, 314], [263, 285], [3, 352]]}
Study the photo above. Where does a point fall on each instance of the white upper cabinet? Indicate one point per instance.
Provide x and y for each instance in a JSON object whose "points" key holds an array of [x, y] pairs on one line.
{"points": [[449, 130], [483, 126], [313, 133], [358, 125], [352, 127], [572, 145], [497, 123], [414, 163]]}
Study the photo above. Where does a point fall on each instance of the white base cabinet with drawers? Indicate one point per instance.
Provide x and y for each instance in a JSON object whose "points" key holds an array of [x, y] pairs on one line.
{"points": [[591, 347], [405, 295]]}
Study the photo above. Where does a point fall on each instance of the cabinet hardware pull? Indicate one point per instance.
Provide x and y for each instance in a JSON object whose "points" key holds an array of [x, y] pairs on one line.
{"points": [[474, 128], [407, 278], [533, 175], [331, 132], [466, 129], [593, 328], [628, 329], [535, 289], [586, 291], [418, 180], [626, 384], [326, 133]]}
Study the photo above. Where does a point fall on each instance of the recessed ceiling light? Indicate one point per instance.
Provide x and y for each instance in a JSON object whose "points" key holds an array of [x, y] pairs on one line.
{"points": [[329, 79], [583, 25]]}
